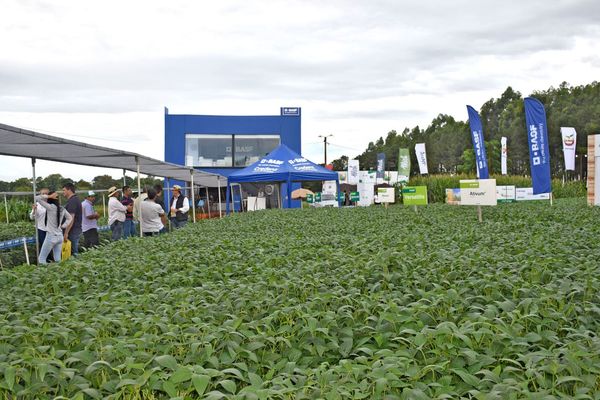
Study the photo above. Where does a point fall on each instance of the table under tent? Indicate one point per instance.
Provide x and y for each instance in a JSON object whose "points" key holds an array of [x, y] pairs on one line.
{"points": [[281, 166]]}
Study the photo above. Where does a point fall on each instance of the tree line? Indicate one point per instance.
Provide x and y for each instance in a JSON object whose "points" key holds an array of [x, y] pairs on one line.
{"points": [[56, 182], [448, 141]]}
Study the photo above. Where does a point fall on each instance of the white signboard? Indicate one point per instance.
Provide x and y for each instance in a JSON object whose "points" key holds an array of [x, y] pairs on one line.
{"points": [[365, 191], [506, 193], [421, 158], [367, 177], [386, 195], [478, 192], [523, 194], [329, 187], [353, 172]]}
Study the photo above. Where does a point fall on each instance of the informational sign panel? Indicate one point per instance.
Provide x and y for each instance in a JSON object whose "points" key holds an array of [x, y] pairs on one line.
{"points": [[310, 198], [367, 177], [453, 196], [386, 195], [318, 197], [353, 170], [524, 194], [506, 194], [329, 187], [414, 195], [478, 192], [354, 196], [366, 194]]}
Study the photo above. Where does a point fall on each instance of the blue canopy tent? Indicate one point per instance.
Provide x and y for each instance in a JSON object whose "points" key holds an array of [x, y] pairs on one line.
{"points": [[281, 165]]}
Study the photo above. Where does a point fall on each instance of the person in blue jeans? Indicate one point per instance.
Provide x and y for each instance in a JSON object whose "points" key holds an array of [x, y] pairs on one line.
{"points": [[73, 206], [128, 225], [57, 219]]}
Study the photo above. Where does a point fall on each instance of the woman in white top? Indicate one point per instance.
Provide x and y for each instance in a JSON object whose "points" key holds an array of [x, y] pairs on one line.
{"points": [[57, 219]]}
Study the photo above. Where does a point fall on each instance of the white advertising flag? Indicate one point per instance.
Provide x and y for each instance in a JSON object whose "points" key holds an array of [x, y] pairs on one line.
{"points": [[421, 158], [503, 155], [353, 168], [569, 139]]}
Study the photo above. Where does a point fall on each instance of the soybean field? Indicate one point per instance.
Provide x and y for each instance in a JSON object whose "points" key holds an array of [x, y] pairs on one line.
{"points": [[357, 303]]}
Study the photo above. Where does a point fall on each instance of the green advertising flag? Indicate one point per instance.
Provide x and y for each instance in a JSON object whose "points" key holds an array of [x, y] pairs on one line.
{"points": [[415, 195], [403, 166]]}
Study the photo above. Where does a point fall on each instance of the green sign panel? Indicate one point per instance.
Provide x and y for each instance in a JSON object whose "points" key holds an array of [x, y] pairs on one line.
{"points": [[342, 197], [469, 184], [318, 197], [415, 195], [310, 198], [354, 196]]}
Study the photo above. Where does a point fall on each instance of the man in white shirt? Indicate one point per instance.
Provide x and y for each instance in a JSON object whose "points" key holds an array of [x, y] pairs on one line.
{"points": [[153, 215], [116, 213], [179, 208]]}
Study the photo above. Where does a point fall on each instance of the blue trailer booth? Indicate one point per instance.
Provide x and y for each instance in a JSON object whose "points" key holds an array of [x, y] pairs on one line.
{"points": [[226, 144]]}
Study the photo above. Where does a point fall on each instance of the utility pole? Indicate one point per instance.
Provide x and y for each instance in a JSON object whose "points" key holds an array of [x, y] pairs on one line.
{"points": [[325, 146]]}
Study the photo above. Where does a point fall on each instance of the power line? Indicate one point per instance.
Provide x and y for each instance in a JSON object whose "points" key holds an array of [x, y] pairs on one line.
{"points": [[344, 147], [76, 136]]}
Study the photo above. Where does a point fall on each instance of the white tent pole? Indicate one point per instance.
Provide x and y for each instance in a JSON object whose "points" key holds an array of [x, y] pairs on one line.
{"points": [[168, 203], [279, 194], [207, 202], [37, 243], [124, 180], [6, 207], [104, 205], [219, 185], [139, 182], [193, 196]]}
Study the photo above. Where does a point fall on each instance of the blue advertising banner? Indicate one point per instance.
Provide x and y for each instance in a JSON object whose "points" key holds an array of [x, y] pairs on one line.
{"points": [[478, 144], [537, 137], [380, 165]]}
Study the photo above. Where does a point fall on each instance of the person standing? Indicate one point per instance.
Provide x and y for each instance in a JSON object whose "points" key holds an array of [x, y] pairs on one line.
{"points": [[160, 201], [128, 225], [180, 206], [153, 215], [116, 213], [57, 218], [89, 224], [73, 206], [137, 204], [38, 214]]}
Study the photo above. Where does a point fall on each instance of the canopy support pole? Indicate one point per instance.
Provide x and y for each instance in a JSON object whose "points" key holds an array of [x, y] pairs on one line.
{"points": [[289, 193], [104, 205], [124, 176], [139, 184], [227, 195], [219, 186], [6, 207], [168, 203], [207, 202], [279, 194], [193, 195], [37, 242]]}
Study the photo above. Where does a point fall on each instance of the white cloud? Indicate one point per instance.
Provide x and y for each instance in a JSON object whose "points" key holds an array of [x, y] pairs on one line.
{"points": [[105, 70]]}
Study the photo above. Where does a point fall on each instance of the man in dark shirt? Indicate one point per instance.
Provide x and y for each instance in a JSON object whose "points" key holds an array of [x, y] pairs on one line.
{"points": [[128, 225], [73, 206], [159, 199]]}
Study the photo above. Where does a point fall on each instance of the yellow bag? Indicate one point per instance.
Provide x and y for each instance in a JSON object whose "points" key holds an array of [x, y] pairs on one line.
{"points": [[66, 250]]}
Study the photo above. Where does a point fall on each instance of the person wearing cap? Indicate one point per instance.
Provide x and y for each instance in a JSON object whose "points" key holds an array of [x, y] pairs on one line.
{"points": [[180, 206], [38, 213], [89, 222], [116, 213]]}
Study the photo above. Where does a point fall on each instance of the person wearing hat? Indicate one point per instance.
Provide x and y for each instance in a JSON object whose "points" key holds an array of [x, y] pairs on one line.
{"points": [[116, 213], [180, 206], [89, 222]]}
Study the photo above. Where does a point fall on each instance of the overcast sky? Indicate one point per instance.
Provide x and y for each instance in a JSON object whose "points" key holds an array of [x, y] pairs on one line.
{"points": [[101, 72]]}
